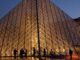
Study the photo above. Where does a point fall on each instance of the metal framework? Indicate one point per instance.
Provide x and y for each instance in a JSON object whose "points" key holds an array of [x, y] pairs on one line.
{"points": [[37, 24]]}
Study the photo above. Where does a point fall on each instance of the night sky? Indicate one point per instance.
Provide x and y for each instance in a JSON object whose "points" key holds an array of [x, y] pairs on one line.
{"points": [[71, 7]]}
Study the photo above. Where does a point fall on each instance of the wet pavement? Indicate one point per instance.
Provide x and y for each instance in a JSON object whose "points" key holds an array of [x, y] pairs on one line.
{"points": [[27, 58], [74, 57]]}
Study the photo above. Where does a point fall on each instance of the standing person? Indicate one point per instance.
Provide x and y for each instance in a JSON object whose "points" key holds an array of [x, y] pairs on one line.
{"points": [[26, 53], [15, 52], [21, 53], [0, 53], [70, 53], [34, 52], [51, 53], [44, 52]]}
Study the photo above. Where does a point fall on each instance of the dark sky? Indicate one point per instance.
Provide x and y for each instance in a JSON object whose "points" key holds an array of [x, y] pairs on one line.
{"points": [[71, 7], [7, 5]]}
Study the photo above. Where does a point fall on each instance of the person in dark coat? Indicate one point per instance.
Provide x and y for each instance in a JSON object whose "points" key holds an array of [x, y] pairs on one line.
{"points": [[44, 53], [34, 52], [15, 52], [26, 53], [70, 53], [21, 53], [51, 53]]}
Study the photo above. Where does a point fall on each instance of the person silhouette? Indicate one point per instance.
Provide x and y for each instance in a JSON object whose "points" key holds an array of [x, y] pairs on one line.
{"points": [[15, 52], [26, 53], [0, 53], [70, 53], [34, 51], [21, 53], [44, 53], [51, 53]]}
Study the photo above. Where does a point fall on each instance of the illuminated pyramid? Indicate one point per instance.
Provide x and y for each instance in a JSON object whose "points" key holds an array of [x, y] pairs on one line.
{"points": [[36, 24]]}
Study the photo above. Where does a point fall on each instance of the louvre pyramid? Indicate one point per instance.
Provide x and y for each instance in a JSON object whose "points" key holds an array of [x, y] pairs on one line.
{"points": [[39, 24]]}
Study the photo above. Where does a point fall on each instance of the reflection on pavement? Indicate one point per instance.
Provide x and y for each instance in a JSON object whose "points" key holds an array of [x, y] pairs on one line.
{"points": [[27, 58]]}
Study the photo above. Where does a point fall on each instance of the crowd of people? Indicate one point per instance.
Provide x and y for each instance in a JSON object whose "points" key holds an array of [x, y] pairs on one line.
{"points": [[24, 53], [21, 54]]}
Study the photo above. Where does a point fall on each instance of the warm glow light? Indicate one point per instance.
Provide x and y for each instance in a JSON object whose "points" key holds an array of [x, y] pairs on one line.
{"points": [[57, 50], [36, 24], [63, 50]]}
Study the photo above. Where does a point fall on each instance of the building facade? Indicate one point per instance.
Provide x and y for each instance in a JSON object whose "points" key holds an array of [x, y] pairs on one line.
{"points": [[38, 24]]}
